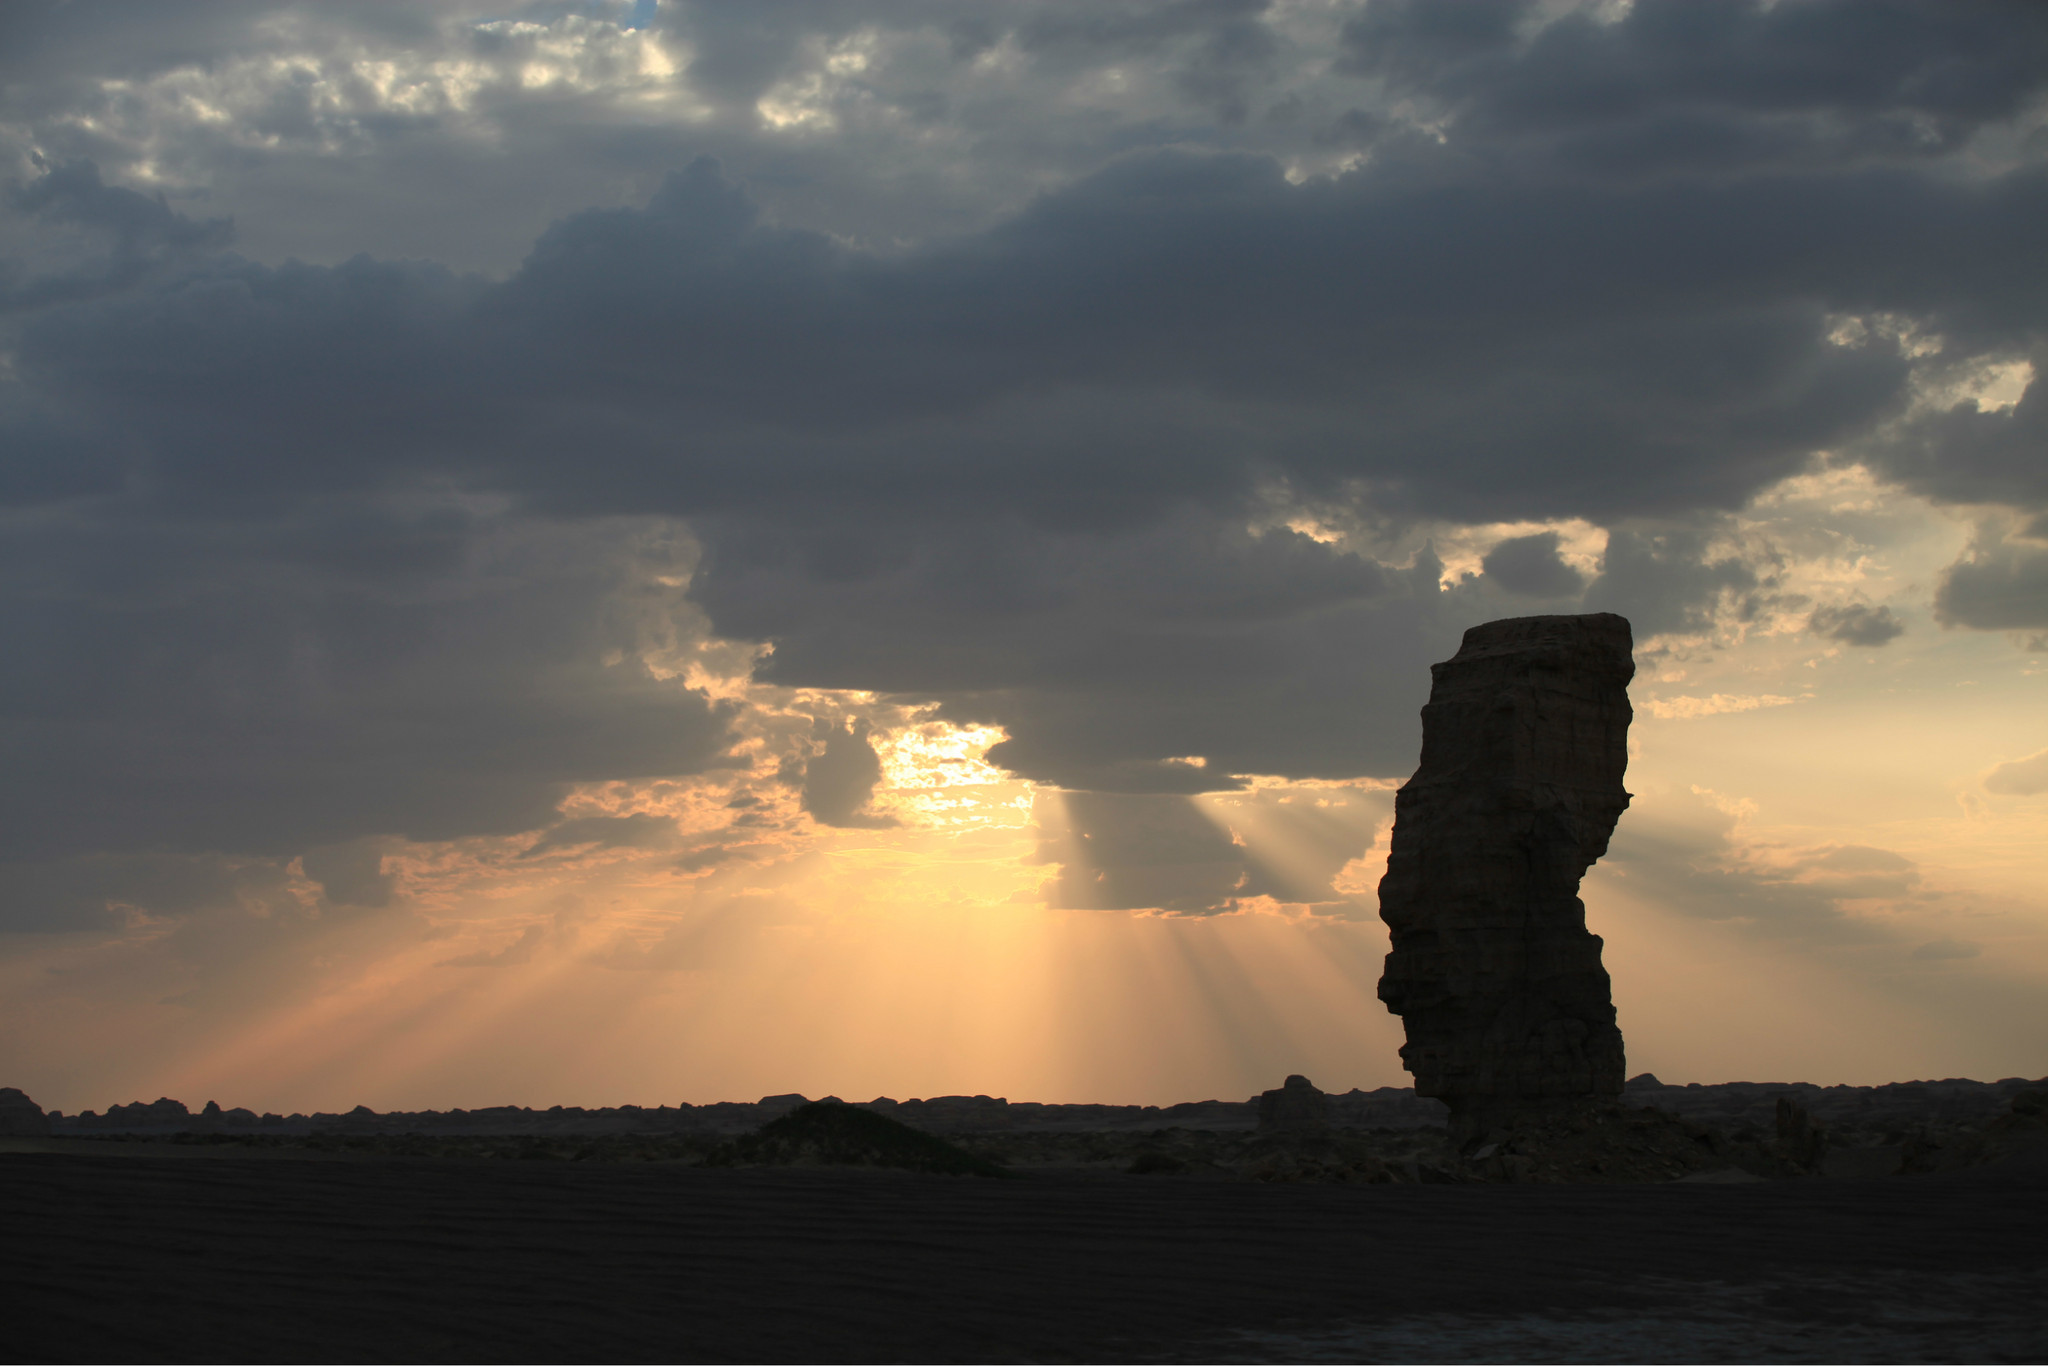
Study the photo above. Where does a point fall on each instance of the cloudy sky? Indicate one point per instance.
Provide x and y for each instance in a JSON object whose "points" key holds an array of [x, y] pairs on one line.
{"points": [[644, 552]]}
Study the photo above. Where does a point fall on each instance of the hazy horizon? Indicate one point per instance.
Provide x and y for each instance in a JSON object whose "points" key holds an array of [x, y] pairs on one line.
{"points": [[630, 552]]}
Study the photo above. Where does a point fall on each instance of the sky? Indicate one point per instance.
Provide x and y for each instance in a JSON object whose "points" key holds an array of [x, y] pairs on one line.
{"points": [[650, 552]]}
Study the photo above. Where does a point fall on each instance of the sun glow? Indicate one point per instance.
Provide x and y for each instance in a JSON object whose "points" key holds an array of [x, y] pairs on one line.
{"points": [[931, 754]]}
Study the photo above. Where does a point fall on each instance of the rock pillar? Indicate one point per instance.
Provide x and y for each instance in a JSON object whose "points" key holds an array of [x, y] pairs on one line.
{"points": [[1493, 972]]}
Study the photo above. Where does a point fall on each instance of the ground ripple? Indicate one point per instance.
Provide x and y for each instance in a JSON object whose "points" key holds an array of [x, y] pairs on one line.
{"points": [[146, 1258]]}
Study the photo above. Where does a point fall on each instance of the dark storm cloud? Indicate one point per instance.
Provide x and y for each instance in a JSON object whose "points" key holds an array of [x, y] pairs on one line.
{"points": [[696, 358], [141, 235], [268, 681], [2000, 586], [1856, 624], [1157, 851], [1122, 852], [1691, 863], [55, 40], [1211, 46], [1677, 86], [1185, 326], [839, 780], [98, 892], [1171, 332], [1668, 579], [1475, 351], [1967, 455], [417, 130], [350, 874], [1529, 566], [1104, 653], [1229, 45]]}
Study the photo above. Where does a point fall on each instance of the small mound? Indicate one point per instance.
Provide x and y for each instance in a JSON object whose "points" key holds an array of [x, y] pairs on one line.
{"points": [[1314, 1158], [1615, 1145], [1151, 1162], [829, 1134]]}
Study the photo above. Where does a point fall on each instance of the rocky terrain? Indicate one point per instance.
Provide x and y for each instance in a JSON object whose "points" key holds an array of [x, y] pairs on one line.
{"points": [[1507, 1008], [1388, 1107], [1291, 1133], [834, 1134]]}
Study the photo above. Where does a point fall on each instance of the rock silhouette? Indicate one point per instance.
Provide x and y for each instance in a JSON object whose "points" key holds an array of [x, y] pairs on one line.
{"points": [[21, 1117], [830, 1134], [1296, 1106], [1496, 978], [1802, 1141]]}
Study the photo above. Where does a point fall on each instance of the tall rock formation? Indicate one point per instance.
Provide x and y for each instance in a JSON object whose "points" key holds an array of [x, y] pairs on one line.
{"points": [[1498, 982]]}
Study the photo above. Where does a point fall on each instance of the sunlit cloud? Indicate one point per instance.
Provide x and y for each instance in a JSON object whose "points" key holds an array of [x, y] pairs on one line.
{"points": [[1684, 708], [2026, 777]]}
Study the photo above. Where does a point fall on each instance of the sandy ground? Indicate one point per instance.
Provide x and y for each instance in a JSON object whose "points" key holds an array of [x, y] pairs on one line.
{"points": [[156, 1257]]}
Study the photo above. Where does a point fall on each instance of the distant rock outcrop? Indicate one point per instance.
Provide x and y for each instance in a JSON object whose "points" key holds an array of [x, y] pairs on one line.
{"points": [[162, 1115], [1803, 1142], [831, 1134], [2021, 1132], [21, 1117], [1498, 982], [1295, 1106]]}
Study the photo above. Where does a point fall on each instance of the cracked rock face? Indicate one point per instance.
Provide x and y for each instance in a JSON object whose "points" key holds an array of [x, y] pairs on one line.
{"points": [[1493, 972]]}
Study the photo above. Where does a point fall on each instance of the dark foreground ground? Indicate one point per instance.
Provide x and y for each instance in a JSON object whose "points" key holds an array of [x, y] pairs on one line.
{"points": [[237, 1258]]}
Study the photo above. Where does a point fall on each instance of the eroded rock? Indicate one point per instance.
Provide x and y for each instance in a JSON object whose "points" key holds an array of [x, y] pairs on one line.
{"points": [[1295, 1106], [1803, 1142], [21, 1117], [1496, 978]]}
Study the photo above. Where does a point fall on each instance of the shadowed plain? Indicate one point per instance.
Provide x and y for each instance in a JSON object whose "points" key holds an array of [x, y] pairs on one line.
{"points": [[233, 1260]]}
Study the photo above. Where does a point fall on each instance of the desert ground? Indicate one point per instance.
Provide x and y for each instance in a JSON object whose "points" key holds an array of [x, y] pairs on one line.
{"points": [[156, 1252]]}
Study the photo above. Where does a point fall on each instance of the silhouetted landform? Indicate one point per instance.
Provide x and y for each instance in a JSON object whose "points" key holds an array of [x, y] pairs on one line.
{"points": [[21, 1117], [1729, 1105], [1898, 1105], [1736, 1130], [1389, 1107], [1616, 1144], [1495, 977], [1295, 1106], [832, 1134]]}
